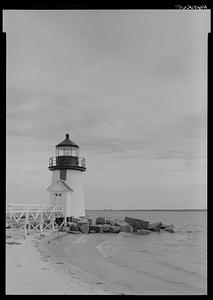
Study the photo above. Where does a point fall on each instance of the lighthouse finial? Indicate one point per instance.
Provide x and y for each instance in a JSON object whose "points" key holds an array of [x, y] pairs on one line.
{"points": [[67, 135]]}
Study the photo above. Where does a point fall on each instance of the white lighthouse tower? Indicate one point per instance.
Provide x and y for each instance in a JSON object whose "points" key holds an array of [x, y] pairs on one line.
{"points": [[66, 188]]}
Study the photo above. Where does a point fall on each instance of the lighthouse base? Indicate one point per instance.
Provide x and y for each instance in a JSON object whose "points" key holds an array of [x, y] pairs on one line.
{"points": [[68, 193]]}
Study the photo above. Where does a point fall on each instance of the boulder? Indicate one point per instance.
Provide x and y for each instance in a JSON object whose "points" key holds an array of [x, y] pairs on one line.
{"points": [[78, 225], [84, 228], [136, 223], [114, 229], [155, 226], [100, 220], [169, 228], [124, 226], [74, 219], [92, 221], [73, 226], [95, 228], [143, 231], [105, 227], [83, 219], [111, 221], [66, 229]]}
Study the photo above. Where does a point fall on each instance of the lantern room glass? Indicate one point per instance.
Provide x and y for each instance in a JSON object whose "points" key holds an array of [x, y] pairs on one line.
{"points": [[67, 151]]}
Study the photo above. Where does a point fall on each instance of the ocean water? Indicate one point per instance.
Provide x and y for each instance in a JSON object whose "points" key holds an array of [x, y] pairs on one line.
{"points": [[158, 263]]}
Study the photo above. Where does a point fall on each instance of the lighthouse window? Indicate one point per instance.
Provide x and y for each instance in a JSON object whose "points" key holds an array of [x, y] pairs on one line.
{"points": [[74, 152], [61, 152], [68, 151], [63, 174]]}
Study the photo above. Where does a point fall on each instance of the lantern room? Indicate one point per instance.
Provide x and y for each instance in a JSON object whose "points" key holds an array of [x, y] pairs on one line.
{"points": [[67, 156], [67, 148]]}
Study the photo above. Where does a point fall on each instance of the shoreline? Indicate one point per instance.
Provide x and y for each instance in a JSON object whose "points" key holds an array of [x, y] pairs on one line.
{"points": [[154, 209], [67, 262], [32, 270]]}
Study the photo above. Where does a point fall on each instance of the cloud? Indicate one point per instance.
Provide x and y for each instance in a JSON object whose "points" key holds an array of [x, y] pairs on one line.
{"points": [[128, 85]]}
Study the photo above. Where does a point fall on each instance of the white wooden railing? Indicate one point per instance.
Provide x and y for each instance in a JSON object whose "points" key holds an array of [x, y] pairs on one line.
{"points": [[34, 216]]}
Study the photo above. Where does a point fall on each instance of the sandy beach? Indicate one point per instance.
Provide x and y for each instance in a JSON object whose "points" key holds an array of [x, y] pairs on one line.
{"points": [[31, 270], [62, 263]]}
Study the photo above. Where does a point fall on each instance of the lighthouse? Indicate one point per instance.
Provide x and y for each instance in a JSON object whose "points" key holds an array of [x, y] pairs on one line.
{"points": [[66, 187]]}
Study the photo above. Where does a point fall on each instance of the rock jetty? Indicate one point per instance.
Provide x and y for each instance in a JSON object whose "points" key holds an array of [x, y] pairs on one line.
{"points": [[136, 223], [114, 225], [155, 226], [169, 228]]}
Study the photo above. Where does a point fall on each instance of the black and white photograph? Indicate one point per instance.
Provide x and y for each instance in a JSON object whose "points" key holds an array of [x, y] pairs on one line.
{"points": [[106, 151]]}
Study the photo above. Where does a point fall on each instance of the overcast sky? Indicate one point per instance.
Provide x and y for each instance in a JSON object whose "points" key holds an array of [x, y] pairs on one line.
{"points": [[130, 86]]}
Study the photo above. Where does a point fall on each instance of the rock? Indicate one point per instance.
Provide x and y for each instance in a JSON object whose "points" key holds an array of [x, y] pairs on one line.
{"points": [[155, 226], [80, 223], [67, 228], [111, 222], [73, 226], [105, 227], [114, 229], [95, 228], [64, 229], [136, 223], [169, 228], [92, 221], [84, 228], [83, 219], [100, 220], [143, 231], [124, 226], [74, 219]]}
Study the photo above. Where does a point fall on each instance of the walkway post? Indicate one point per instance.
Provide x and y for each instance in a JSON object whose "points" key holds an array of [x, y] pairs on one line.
{"points": [[41, 222]]}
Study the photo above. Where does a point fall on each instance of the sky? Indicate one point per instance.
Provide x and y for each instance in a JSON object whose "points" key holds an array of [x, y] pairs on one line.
{"points": [[130, 87]]}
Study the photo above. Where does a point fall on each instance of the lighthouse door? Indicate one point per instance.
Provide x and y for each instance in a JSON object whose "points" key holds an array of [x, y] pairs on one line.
{"points": [[57, 199]]}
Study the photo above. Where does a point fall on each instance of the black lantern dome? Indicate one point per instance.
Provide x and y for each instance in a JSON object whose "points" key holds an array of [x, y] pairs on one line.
{"points": [[67, 156]]}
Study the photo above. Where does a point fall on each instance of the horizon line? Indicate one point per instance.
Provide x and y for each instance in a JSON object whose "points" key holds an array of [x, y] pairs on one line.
{"points": [[152, 209]]}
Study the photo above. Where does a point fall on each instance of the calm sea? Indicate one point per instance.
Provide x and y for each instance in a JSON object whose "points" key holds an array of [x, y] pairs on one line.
{"points": [[158, 263]]}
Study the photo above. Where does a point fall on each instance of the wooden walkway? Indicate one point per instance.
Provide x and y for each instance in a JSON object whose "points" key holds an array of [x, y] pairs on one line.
{"points": [[34, 217]]}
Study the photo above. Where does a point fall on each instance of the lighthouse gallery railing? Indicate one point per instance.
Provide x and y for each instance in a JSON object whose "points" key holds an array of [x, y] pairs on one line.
{"points": [[73, 160]]}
